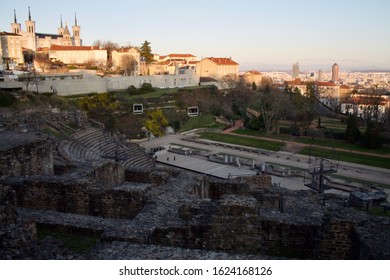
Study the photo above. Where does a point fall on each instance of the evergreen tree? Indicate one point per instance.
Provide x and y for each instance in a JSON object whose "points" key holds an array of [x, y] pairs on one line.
{"points": [[352, 132], [372, 136], [254, 86], [146, 52]]}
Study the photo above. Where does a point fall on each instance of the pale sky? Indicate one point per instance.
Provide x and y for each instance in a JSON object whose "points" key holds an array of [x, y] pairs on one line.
{"points": [[258, 34]]}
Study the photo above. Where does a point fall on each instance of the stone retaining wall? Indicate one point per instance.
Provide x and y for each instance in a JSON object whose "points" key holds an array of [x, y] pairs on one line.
{"points": [[107, 174], [81, 197], [164, 207], [234, 224], [88, 84], [28, 159], [146, 175], [14, 233]]}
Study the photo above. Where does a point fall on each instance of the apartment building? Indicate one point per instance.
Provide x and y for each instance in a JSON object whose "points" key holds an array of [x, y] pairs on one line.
{"points": [[76, 54], [328, 93], [118, 56], [217, 67], [11, 49]]}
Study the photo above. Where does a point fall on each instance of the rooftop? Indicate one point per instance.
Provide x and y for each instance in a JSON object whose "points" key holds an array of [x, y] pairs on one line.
{"points": [[73, 48], [222, 60], [3, 33]]}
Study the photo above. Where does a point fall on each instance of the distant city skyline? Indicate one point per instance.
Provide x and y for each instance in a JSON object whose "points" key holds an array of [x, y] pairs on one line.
{"points": [[260, 35]]}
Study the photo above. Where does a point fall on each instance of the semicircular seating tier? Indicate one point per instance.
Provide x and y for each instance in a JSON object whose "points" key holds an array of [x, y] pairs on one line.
{"points": [[91, 144]]}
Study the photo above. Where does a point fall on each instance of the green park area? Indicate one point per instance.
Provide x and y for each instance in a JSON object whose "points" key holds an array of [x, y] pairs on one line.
{"points": [[242, 141]]}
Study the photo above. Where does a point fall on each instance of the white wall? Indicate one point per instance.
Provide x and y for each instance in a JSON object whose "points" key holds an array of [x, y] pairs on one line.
{"points": [[69, 86]]}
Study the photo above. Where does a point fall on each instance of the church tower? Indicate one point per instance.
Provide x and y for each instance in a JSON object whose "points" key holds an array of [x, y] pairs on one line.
{"points": [[61, 29], [67, 40], [30, 32], [15, 26], [76, 32]]}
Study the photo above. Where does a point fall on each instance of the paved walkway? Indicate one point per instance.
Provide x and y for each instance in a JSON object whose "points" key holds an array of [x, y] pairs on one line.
{"points": [[346, 169], [201, 166], [237, 124]]}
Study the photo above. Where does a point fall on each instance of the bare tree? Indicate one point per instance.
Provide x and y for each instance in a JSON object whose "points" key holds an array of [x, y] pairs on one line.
{"points": [[129, 65], [98, 43], [237, 93], [372, 100], [271, 106], [229, 82], [109, 46], [31, 78], [266, 84]]}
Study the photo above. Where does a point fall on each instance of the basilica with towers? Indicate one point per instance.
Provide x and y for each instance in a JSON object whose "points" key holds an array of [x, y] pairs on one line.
{"points": [[33, 40]]}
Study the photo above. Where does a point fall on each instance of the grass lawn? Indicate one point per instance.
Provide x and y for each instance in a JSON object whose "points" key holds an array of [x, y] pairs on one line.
{"points": [[201, 121], [325, 142], [341, 144], [258, 133], [154, 94], [243, 141], [347, 157]]}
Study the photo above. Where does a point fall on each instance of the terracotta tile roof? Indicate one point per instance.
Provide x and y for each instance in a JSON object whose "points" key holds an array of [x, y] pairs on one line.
{"points": [[45, 49], [298, 82], [326, 84], [222, 60], [253, 72], [73, 48], [369, 100], [180, 55], [123, 50]]}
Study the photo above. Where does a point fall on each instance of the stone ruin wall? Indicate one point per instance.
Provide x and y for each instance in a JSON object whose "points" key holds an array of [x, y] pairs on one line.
{"points": [[156, 176], [230, 223], [14, 233], [108, 174], [97, 195], [26, 160], [241, 216], [234, 223]]}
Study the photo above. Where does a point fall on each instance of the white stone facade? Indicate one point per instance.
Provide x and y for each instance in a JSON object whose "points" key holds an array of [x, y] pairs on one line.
{"points": [[78, 55], [11, 48], [217, 68], [117, 56], [67, 85]]}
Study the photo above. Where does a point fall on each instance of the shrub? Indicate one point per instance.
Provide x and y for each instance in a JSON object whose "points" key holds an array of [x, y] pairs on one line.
{"points": [[7, 99], [147, 87], [132, 90]]}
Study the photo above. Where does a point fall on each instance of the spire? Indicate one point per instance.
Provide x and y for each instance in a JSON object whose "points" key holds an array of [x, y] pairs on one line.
{"points": [[61, 21], [29, 14], [15, 16], [75, 19]]}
